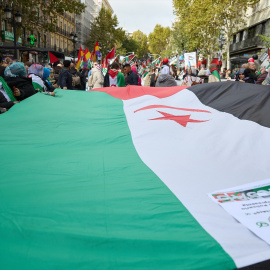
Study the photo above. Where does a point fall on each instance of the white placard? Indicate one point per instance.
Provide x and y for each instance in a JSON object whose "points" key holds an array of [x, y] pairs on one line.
{"points": [[249, 204], [190, 59]]}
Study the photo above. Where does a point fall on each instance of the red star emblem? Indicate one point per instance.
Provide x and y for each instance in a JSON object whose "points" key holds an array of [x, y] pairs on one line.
{"points": [[183, 120]]}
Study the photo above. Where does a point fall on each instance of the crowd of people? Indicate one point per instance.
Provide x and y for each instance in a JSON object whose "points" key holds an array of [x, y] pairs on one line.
{"points": [[19, 81]]}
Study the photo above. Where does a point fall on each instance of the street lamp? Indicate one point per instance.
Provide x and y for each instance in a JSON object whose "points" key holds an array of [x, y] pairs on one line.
{"points": [[16, 19], [74, 39]]}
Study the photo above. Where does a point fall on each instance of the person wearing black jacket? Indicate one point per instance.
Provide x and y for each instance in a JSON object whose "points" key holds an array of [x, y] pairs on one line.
{"points": [[24, 85], [19, 84], [65, 78], [250, 73], [132, 77]]}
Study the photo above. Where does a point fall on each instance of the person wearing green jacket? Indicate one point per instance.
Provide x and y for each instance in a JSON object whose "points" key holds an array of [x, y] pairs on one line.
{"points": [[114, 77]]}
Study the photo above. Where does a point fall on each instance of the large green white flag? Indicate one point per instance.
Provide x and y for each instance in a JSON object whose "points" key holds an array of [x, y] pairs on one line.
{"points": [[118, 179]]}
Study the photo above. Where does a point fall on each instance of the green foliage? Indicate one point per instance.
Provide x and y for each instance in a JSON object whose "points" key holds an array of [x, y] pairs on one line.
{"points": [[42, 14], [265, 39], [105, 30], [128, 44], [159, 39], [142, 44], [204, 21]]}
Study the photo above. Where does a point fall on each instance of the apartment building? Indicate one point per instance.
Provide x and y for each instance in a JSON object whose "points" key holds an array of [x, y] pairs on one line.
{"points": [[246, 42]]}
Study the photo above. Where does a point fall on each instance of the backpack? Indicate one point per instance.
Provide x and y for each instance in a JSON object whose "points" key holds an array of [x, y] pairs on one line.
{"points": [[76, 80]]}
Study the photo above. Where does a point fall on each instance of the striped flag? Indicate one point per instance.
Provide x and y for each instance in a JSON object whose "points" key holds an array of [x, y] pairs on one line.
{"points": [[80, 56], [123, 181], [96, 53]]}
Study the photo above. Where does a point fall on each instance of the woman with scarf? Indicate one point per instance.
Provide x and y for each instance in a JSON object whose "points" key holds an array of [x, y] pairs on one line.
{"points": [[39, 75], [7, 98], [16, 79], [240, 77]]}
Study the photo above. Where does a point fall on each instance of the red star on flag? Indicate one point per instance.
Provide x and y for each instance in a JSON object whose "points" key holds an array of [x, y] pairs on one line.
{"points": [[183, 120]]}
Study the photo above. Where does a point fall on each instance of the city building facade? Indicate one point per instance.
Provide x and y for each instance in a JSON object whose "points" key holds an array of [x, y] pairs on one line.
{"points": [[34, 45], [84, 21], [246, 42]]}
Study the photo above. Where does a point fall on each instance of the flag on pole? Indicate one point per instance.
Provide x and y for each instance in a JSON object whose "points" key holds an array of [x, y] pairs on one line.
{"points": [[52, 58], [96, 52], [109, 57], [125, 178], [129, 58], [104, 68], [86, 59], [80, 56]]}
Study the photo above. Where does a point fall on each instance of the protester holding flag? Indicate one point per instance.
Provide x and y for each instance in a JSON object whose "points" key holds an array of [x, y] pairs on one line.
{"points": [[191, 79], [16, 79], [96, 80], [114, 77], [214, 76]]}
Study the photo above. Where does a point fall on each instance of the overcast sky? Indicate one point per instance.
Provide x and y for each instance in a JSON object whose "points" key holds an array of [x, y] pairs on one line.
{"points": [[143, 14]]}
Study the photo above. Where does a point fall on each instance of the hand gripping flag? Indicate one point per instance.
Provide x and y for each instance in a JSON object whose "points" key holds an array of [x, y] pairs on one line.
{"points": [[123, 182]]}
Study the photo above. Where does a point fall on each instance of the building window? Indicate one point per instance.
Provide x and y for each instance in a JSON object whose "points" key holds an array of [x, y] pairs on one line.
{"points": [[251, 32], [263, 28], [234, 38], [4, 25], [45, 41], [241, 35]]}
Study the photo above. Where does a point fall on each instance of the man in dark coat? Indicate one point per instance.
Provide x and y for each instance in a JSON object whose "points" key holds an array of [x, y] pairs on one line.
{"points": [[250, 72], [132, 77], [65, 78]]}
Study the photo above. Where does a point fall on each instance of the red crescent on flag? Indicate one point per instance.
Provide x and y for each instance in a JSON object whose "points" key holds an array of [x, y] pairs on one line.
{"points": [[168, 107]]}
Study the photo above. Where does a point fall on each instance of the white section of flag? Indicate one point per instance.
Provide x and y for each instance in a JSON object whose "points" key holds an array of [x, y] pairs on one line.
{"points": [[195, 160]]}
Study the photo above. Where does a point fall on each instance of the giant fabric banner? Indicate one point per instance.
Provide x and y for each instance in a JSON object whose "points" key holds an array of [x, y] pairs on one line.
{"points": [[117, 178]]}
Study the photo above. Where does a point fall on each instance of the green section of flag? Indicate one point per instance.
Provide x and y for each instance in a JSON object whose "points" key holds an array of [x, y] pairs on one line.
{"points": [[75, 194]]}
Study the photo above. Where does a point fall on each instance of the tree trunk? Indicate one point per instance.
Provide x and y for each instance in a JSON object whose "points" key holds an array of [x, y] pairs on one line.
{"points": [[228, 53]]}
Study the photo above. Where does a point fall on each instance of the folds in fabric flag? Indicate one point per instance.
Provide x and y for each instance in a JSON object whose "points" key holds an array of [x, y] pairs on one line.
{"points": [[87, 55], [110, 56], [123, 181], [86, 61], [104, 68], [52, 58], [80, 56]]}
